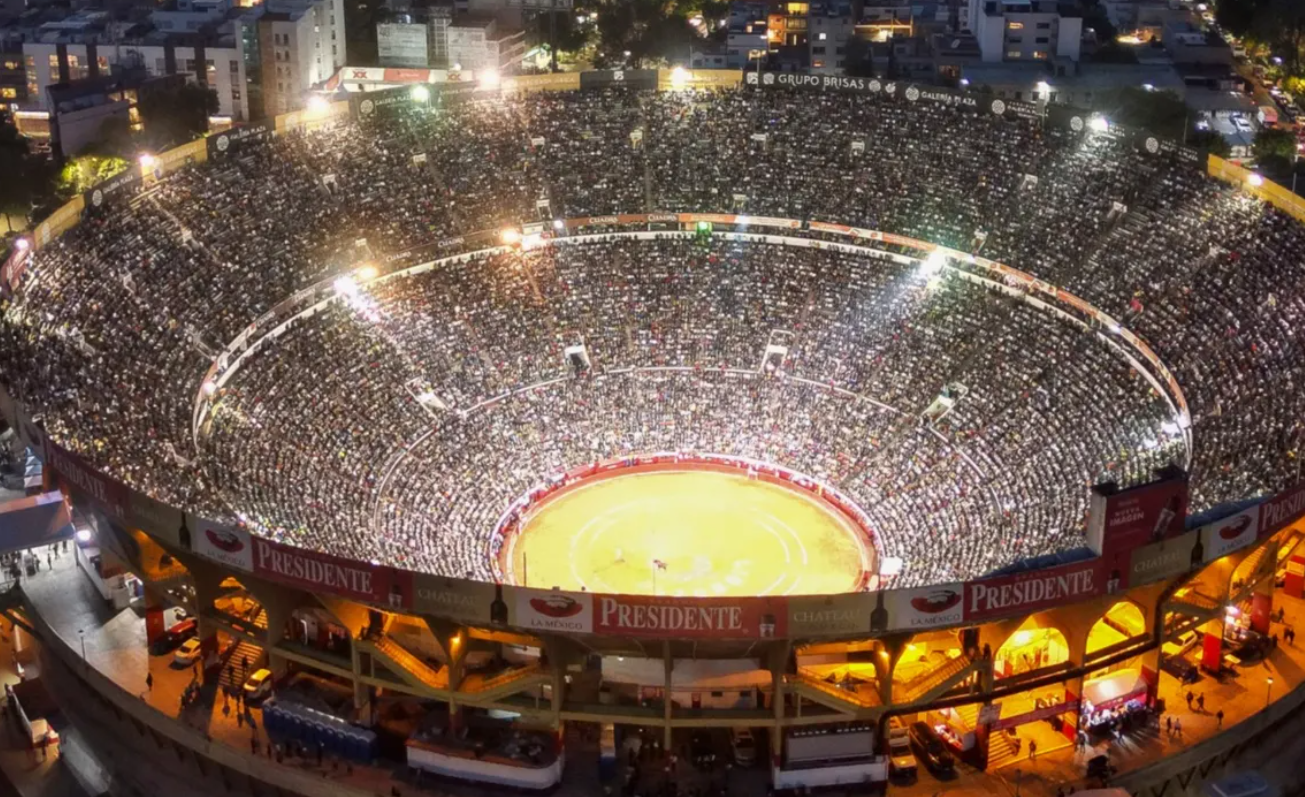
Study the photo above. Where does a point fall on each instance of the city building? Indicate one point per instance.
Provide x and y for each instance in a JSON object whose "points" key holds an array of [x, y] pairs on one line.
{"points": [[403, 44], [478, 43], [79, 110], [830, 27], [1026, 30]]}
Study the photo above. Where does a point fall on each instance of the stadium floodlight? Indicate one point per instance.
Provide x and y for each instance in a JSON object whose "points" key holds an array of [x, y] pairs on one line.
{"points": [[345, 286], [147, 160], [965, 82], [1255, 180], [1098, 124], [367, 272], [83, 535], [210, 387], [933, 264], [317, 104], [490, 79], [558, 224], [1148, 87], [22, 244], [679, 77], [420, 94], [511, 236]]}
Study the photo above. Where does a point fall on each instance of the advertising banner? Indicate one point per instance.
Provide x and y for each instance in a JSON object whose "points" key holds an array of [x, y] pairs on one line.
{"points": [[472, 602], [560, 81], [116, 187], [230, 141], [1261, 609], [157, 518], [551, 610], [704, 618], [1032, 591], [1229, 534], [227, 545], [1282, 510], [634, 78], [829, 615], [925, 607], [1161, 560], [1295, 578], [319, 572], [109, 496], [1121, 521]]}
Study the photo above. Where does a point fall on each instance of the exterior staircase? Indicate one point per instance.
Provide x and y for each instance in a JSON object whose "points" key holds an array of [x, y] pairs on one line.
{"points": [[234, 674], [412, 670], [936, 682], [504, 684], [833, 696], [1001, 750]]}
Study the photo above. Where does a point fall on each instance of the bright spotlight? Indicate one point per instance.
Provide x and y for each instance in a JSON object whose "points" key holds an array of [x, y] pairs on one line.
{"points": [[210, 387], [965, 82], [367, 272], [318, 104], [345, 286], [1044, 88], [22, 244], [83, 536], [933, 264], [558, 224], [1098, 124], [419, 94], [147, 160], [679, 77], [1255, 180], [511, 236], [490, 79]]}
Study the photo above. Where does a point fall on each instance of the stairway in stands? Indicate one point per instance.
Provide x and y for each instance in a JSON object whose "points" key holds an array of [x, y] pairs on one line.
{"points": [[408, 664], [234, 674], [1000, 749]]}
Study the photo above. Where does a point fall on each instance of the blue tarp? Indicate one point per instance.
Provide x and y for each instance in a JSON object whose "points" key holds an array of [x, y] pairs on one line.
{"points": [[29, 522]]}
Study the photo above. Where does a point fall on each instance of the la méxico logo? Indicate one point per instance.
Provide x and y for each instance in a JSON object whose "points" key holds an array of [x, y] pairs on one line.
{"points": [[557, 606], [224, 540], [937, 601]]}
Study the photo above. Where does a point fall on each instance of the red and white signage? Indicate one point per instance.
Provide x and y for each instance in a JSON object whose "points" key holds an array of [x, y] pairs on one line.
{"points": [[321, 572], [547, 610], [1282, 510], [716, 618], [108, 495], [1129, 519], [1230, 534], [1032, 591], [228, 545], [925, 607]]}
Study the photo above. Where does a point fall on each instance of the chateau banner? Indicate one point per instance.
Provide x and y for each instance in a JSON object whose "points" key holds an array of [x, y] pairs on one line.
{"points": [[472, 602], [829, 615]]}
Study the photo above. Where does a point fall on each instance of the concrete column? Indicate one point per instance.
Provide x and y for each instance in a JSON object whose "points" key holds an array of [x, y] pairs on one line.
{"points": [[208, 647], [777, 661], [668, 664], [886, 659], [154, 623]]}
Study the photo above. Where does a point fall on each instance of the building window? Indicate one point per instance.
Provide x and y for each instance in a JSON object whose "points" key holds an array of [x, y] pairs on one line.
{"points": [[1013, 54], [1015, 26], [822, 36], [1044, 26], [9, 93], [1042, 40], [1040, 55], [54, 64], [11, 65], [817, 50]]}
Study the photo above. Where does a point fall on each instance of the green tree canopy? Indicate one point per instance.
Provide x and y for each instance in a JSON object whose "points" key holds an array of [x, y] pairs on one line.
{"points": [[1273, 142]]}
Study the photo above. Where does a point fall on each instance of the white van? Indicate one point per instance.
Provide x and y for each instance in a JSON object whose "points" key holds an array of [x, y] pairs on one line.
{"points": [[744, 745]]}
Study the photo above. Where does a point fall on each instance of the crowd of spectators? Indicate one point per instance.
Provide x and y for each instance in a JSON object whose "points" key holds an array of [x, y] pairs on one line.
{"points": [[402, 433]]}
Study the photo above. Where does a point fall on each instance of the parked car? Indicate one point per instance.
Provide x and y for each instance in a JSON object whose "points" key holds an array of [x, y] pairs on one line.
{"points": [[930, 749], [744, 747], [901, 761], [259, 685], [173, 637], [188, 653]]}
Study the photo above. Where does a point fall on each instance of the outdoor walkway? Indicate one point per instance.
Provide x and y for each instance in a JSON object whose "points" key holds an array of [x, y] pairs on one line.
{"points": [[115, 645]]}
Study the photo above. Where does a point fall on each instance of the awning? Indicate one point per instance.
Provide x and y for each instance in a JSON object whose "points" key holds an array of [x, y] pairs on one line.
{"points": [[1115, 689], [29, 522]]}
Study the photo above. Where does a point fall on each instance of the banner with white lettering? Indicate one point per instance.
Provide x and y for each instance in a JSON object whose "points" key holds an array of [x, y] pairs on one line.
{"points": [[1229, 534], [75, 475], [228, 545], [1121, 521], [472, 602], [703, 618], [549, 610], [925, 607], [1161, 560], [320, 572], [829, 615], [1282, 510], [1035, 590]]}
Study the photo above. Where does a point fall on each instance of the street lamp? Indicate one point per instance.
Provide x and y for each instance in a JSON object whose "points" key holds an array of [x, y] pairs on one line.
{"points": [[81, 632]]}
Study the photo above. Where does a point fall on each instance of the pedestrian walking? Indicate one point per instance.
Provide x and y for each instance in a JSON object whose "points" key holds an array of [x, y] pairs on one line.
{"points": [[1033, 750], [1200, 702], [1169, 726], [149, 682], [1218, 716], [1178, 728], [1190, 696]]}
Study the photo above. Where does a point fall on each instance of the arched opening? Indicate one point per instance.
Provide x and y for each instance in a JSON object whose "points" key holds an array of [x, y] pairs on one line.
{"points": [[1031, 647], [1120, 623]]}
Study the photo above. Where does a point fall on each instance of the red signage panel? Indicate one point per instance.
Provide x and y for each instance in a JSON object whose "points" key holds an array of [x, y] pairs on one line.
{"points": [[325, 573], [110, 496], [1129, 519], [1033, 591], [1282, 510], [715, 618]]}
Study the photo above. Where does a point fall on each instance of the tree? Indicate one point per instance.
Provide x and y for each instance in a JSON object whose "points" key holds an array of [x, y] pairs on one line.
{"points": [[82, 172], [649, 30], [1236, 16], [175, 115], [1210, 141], [1161, 112], [16, 189], [1272, 142]]}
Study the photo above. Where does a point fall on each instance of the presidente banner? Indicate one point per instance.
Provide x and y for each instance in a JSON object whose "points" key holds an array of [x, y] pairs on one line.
{"points": [[108, 495], [1120, 521], [925, 607], [551, 610], [1229, 534], [1282, 510], [703, 618], [1033, 591], [829, 615], [472, 602], [321, 572], [227, 545]]}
